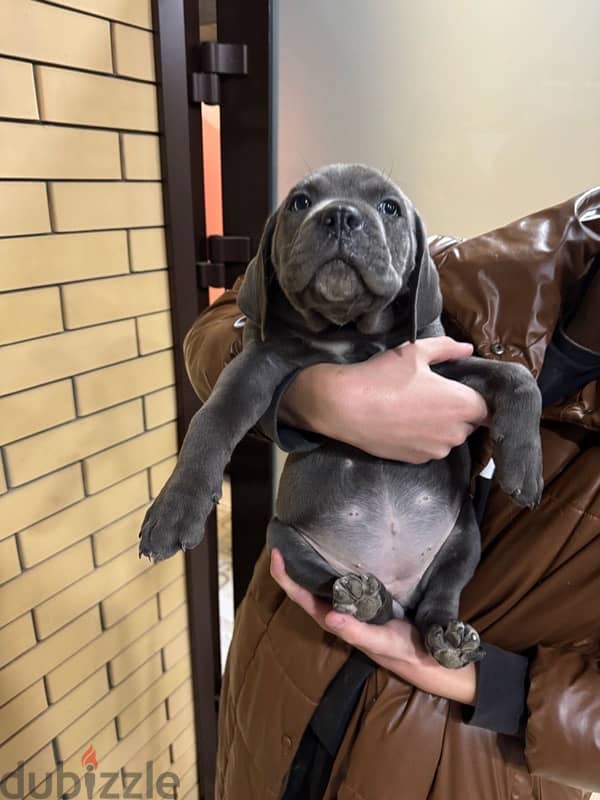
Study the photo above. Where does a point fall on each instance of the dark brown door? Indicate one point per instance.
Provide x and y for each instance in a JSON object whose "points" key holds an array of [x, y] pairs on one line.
{"points": [[185, 71]]}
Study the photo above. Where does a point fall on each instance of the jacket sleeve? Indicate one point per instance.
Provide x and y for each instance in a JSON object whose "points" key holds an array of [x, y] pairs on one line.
{"points": [[212, 342], [563, 729]]}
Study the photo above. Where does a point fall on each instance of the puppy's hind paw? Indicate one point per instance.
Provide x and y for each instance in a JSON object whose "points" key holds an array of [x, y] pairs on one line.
{"points": [[454, 645], [363, 596]]}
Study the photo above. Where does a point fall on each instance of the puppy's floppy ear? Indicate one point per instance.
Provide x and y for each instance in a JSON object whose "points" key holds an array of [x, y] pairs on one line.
{"points": [[254, 291], [423, 284]]}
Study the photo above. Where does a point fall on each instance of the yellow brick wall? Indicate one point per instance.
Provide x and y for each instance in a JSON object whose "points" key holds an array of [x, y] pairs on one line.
{"points": [[93, 642]]}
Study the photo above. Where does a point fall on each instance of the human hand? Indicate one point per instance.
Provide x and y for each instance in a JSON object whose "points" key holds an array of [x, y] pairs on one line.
{"points": [[396, 645], [392, 405]]}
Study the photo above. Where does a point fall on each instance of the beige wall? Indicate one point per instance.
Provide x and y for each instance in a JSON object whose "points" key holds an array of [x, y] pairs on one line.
{"points": [[93, 642], [482, 111]]}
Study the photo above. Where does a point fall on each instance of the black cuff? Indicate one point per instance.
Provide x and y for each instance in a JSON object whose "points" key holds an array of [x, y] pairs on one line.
{"points": [[501, 702], [567, 367], [289, 439]]}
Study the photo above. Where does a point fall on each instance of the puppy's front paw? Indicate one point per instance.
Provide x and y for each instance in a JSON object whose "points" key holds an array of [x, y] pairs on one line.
{"points": [[175, 521], [363, 596], [455, 645], [519, 470]]}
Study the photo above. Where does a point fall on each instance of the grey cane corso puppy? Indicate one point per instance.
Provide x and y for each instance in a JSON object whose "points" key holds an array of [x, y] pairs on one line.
{"points": [[343, 272]]}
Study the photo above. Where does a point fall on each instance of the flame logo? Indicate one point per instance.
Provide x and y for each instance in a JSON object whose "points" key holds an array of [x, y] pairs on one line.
{"points": [[89, 757]]}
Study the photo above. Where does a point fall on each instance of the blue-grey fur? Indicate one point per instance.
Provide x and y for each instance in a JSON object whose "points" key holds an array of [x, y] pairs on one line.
{"points": [[339, 280]]}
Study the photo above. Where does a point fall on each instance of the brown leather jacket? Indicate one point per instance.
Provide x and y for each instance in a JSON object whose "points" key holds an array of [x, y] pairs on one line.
{"points": [[537, 588]]}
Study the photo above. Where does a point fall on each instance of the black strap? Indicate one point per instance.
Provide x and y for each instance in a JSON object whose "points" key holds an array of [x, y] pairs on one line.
{"points": [[321, 741], [319, 746]]}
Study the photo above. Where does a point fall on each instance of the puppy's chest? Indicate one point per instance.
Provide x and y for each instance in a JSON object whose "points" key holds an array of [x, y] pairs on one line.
{"points": [[346, 350]]}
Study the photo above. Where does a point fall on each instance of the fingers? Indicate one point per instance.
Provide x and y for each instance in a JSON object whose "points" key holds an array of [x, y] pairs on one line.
{"points": [[470, 405], [443, 348], [307, 601]]}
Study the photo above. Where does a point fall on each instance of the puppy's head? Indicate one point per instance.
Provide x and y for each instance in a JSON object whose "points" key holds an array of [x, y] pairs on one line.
{"points": [[345, 246]]}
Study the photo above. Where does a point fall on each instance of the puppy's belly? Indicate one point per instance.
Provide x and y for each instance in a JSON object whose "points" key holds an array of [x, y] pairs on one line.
{"points": [[362, 514], [397, 550]]}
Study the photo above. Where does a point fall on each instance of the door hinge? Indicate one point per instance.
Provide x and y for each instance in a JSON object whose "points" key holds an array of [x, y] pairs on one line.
{"points": [[217, 60], [228, 255]]}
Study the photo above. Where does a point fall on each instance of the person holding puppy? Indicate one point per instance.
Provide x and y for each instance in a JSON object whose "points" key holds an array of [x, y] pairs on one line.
{"points": [[295, 719]]}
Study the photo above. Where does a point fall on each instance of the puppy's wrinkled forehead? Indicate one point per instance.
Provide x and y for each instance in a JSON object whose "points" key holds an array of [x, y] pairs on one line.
{"points": [[349, 182]]}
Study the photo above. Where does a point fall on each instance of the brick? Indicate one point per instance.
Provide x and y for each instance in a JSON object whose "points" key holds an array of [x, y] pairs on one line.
{"points": [[181, 698], [188, 784], [47, 151], [151, 581], [36, 585], [133, 52], [135, 712], [56, 718], [21, 710], [49, 450], [70, 739], [171, 597], [154, 639], [135, 13], [185, 769], [183, 742], [42, 659], [29, 504], [9, 560], [125, 459], [121, 535], [40, 32], [26, 315], [98, 651], [77, 597], [38, 767], [17, 90], [38, 260], [151, 725], [160, 407], [66, 527], [104, 741], [162, 763], [177, 649], [36, 410], [111, 385], [91, 302], [161, 739], [159, 475], [15, 638], [192, 794], [154, 332], [141, 157], [23, 208], [82, 99], [83, 206], [48, 359], [148, 249], [142, 737]]}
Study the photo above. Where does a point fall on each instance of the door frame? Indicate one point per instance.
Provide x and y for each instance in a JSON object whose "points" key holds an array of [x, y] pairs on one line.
{"points": [[247, 181]]}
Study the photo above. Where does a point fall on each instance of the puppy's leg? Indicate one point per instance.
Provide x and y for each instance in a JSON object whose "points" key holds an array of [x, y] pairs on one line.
{"points": [[363, 596], [245, 388], [302, 562], [451, 642], [514, 399]]}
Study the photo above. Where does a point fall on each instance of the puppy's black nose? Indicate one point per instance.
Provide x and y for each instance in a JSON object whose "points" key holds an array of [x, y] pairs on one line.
{"points": [[341, 219]]}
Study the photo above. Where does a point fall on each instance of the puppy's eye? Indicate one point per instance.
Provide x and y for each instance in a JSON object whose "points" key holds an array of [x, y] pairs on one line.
{"points": [[300, 202], [389, 207]]}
